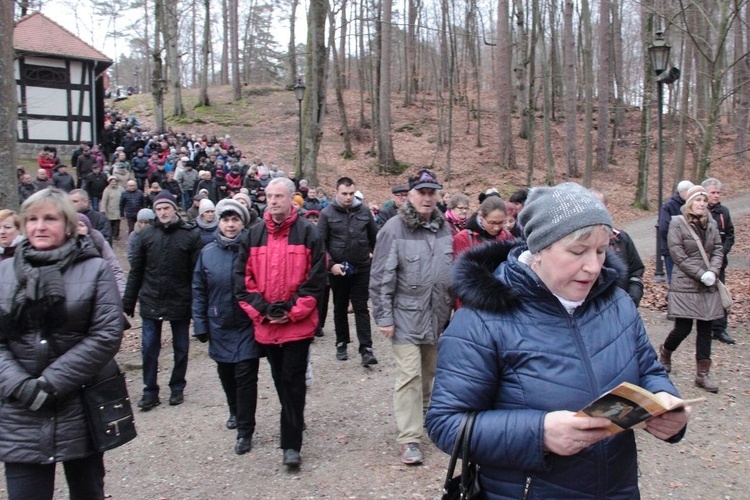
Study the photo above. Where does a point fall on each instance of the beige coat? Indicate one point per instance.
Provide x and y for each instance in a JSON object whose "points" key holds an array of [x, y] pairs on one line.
{"points": [[110, 204], [688, 296]]}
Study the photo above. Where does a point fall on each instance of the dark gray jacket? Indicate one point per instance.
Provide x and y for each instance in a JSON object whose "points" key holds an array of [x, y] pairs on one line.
{"points": [[69, 356], [348, 234]]}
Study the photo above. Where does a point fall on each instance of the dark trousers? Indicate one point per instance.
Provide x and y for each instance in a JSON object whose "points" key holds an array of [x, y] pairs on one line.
{"points": [[150, 348], [131, 224], [240, 383], [681, 330], [323, 307], [352, 288], [720, 325], [668, 265], [85, 478], [115, 228], [288, 365]]}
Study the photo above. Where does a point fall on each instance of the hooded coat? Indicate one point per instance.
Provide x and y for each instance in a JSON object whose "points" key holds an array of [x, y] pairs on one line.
{"points": [[514, 354], [77, 352]]}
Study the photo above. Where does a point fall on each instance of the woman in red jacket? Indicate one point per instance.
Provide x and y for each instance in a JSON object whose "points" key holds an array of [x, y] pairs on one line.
{"points": [[488, 224]]}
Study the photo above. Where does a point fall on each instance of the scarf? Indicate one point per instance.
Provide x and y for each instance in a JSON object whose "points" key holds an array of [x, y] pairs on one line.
{"points": [[455, 221], [207, 226], [39, 295]]}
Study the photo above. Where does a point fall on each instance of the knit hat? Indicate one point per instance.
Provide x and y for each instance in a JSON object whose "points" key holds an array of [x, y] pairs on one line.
{"points": [[303, 182], [205, 206], [111, 178], [424, 179], [85, 220], [243, 196], [551, 213], [312, 213], [145, 214], [230, 206], [165, 196], [298, 200], [694, 192]]}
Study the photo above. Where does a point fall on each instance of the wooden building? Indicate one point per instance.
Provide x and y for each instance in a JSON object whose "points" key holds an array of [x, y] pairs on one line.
{"points": [[59, 82]]}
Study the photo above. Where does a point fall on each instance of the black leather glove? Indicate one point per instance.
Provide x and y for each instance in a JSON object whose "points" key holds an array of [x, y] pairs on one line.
{"points": [[129, 311], [202, 337], [30, 394]]}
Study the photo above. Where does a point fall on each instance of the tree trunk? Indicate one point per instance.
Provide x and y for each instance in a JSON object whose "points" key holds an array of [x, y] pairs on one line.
{"points": [[530, 107], [171, 38], [234, 32], [224, 70], [742, 84], [386, 156], [8, 111], [193, 45], [348, 152], [571, 101], [292, 47], [521, 62], [604, 72], [588, 86], [547, 93], [507, 156], [157, 74], [617, 81], [314, 105], [410, 80], [343, 63], [680, 146], [205, 48], [647, 28]]}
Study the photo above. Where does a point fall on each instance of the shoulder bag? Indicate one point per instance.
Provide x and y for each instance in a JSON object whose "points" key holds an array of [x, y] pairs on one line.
{"points": [[726, 296], [466, 486], [108, 412]]}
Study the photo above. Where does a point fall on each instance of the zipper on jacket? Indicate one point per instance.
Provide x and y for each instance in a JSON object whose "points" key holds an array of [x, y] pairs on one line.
{"points": [[526, 488]]}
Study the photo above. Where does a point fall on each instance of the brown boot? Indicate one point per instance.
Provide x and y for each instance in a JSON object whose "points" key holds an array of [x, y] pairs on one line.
{"points": [[665, 358], [703, 378]]}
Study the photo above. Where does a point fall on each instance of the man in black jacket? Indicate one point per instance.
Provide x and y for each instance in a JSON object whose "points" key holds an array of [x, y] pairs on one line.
{"points": [[669, 209], [99, 221], [161, 279], [349, 231], [721, 215], [94, 184], [390, 208]]}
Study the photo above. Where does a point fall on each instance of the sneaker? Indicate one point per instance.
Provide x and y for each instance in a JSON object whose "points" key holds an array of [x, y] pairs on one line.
{"points": [[177, 398], [148, 403], [341, 354], [410, 454], [292, 458], [232, 422], [722, 336], [368, 358]]}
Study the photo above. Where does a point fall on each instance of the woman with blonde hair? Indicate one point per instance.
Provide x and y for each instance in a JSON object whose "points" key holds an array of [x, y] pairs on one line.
{"points": [[10, 233]]}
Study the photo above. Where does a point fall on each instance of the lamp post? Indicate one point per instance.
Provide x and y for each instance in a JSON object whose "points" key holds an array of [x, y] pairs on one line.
{"points": [[299, 92], [659, 54]]}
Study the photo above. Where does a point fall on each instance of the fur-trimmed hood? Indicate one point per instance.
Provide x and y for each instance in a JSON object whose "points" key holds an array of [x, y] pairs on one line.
{"points": [[489, 277], [412, 220]]}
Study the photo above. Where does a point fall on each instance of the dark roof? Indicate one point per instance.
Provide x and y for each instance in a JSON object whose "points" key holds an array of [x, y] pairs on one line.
{"points": [[37, 34]]}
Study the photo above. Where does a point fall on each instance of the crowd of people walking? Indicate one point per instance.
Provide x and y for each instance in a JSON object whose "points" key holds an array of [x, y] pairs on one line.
{"points": [[523, 310]]}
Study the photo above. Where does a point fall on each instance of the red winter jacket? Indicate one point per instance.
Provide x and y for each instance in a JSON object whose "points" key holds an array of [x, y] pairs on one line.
{"points": [[281, 263]]}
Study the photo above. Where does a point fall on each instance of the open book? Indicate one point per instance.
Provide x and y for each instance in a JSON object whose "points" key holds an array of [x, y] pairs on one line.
{"points": [[628, 405]]}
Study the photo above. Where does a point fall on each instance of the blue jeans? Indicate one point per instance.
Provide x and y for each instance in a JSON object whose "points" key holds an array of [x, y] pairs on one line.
{"points": [[94, 204], [150, 347], [187, 199], [668, 265]]}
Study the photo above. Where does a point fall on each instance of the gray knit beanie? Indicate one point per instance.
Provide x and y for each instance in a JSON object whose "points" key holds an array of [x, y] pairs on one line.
{"points": [[551, 213], [230, 206]]}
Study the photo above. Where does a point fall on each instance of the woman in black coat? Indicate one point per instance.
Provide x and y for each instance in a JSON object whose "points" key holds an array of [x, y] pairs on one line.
{"points": [[61, 325]]}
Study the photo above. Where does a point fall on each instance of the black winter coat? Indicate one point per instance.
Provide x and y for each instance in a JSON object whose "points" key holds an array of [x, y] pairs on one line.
{"points": [[77, 352], [348, 234], [131, 202], [669, 209], [161, 271]]}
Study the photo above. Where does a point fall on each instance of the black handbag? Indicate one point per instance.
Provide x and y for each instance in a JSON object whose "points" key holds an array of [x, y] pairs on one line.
{"points": [[108, 412], [466, 486]]}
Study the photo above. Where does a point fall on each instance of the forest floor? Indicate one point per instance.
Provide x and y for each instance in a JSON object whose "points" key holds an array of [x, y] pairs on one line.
{"points": [[349, 452]]}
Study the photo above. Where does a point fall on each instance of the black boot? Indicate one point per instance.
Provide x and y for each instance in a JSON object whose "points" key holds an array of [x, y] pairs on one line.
{"points": [[722, 336]]}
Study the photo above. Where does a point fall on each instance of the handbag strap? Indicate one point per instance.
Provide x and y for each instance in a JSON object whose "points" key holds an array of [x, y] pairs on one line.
{"points": [[698, 241], [457, 446], [468, 432]]}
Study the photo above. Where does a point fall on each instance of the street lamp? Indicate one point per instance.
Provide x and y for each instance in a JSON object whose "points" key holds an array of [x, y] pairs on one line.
{"points": [[659, 55], [299, 92]]}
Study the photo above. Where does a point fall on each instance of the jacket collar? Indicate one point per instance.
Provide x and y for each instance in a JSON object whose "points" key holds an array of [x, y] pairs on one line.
{"points": [[413, 220]]}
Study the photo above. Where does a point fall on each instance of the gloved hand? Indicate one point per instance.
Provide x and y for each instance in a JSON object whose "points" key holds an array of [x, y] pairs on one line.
{"points": [[129, 311], [708, 278], [202, 337], [30, 394]]}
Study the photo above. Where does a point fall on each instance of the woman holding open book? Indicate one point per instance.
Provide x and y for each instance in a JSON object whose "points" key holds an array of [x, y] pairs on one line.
{"points": [[544, 330], [695, 247]]}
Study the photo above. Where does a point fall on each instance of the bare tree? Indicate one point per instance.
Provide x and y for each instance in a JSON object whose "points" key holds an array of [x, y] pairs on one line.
{"points": [[292, 47], [157, 74], [386, 157], [224, 72], [8, 110], [171, 41], [604, 72], [205, 49], [742, 84], [647, 28], [571, 101], [234, 35], [338, 86], [505, 88], [588, 86]]}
